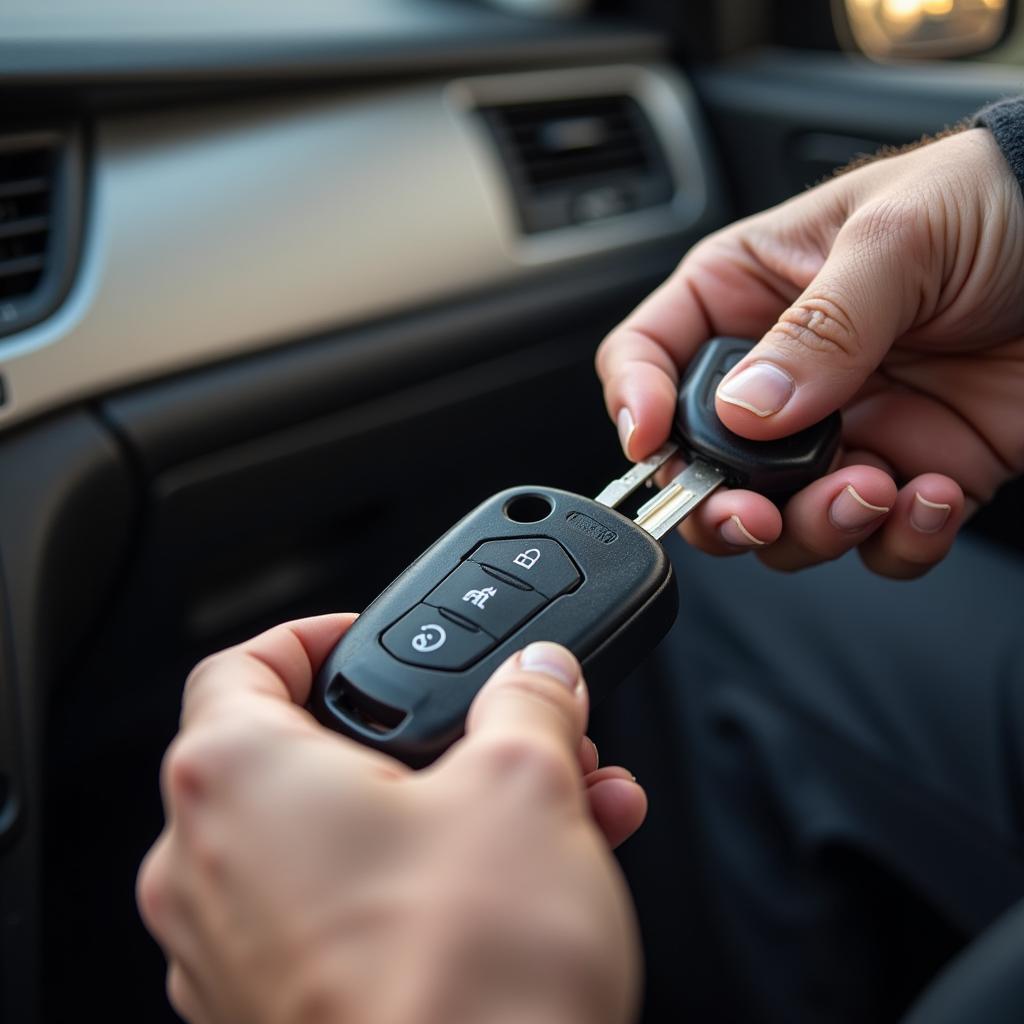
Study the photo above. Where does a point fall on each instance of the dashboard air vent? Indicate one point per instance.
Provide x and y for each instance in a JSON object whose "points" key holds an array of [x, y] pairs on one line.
{"points": [[578, 160], [40, 181]]}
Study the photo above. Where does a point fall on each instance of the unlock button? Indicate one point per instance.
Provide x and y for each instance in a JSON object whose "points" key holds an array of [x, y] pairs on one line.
{"points": [[540, 562]]}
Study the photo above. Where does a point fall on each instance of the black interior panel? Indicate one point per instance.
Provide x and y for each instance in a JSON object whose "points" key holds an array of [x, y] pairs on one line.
{"points": [[67, 523], [768, 112]]}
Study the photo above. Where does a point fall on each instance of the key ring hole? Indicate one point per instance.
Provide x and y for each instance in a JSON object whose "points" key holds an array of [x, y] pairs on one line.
{"points": [[529, 508]]}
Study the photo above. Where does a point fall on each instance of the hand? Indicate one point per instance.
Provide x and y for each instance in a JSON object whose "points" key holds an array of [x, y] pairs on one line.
{"points": [[896, 294], [301, 877]]}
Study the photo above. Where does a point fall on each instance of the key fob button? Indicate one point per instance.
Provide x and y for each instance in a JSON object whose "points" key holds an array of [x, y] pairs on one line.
{"points": [[494, 605], [538, 561], [425, 637]]}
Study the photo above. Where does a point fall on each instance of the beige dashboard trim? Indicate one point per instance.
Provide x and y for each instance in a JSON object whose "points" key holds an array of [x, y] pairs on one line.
{"points": [[222, 231]]}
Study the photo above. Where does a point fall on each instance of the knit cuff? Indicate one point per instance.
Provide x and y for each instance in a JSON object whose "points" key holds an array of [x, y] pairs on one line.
{"points": [[1005, 120]]}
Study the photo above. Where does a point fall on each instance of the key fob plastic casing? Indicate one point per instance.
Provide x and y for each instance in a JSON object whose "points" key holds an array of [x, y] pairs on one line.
{"points": [[776, 469], [576, 573]]}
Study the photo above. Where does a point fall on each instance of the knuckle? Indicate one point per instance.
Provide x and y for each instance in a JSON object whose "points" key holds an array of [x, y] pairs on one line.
{"points": [[198, 678], [200, 670], [552, 695], [538, 767], [152, 891], [604, 353], [692, 256], [706, 248], [184, 768], [179, 992], [819, 325], [205, 756], [888, 221]]}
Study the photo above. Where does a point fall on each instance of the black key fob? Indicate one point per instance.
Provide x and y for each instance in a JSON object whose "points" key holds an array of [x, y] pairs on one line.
{"points": [[531, 563], [536, 563], [776, 469]]}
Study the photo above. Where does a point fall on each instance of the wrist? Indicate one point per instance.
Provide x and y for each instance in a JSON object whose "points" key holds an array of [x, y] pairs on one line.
{"points": [[1005, 121]]}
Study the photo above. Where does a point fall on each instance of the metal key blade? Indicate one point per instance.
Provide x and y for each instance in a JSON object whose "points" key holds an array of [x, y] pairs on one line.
{"points": [[674, 502], [619, 490]]}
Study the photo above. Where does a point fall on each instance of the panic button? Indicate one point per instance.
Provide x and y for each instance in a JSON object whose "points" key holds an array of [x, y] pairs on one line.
{"points": [[425, 637], [538, 561]]}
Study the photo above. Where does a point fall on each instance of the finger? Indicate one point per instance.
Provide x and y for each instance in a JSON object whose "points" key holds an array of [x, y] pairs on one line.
{"points": [[638, 364], [167, 919], [730, 522], [612, 771], [827, 343], [184, 996], [154, 896], [618, 807], [589, 757], [721, 287], [538, 699], [831, 516], [641, 383], [860, 457], [917, 434], [919, 531], [280, 663]]}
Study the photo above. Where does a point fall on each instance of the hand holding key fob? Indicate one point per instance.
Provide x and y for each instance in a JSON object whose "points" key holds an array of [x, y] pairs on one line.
{"points": [[538, 563]]}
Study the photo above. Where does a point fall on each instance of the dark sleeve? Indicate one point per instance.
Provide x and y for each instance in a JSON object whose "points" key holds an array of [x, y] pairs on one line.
{"points": [[1005, 120]]}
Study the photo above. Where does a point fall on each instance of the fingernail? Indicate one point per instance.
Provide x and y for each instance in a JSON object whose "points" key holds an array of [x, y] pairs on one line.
{"points": [[762, 388], [552, 660], [626, 425], [734, 532], [597, 753], [928, 516], [849, 511]]}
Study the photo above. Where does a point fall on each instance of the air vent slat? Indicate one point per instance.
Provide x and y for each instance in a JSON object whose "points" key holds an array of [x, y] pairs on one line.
{"points": [[578, 160], [22, 265], [26, 226], [24, 187], [40, 192], [579, 164], [540, 151]]}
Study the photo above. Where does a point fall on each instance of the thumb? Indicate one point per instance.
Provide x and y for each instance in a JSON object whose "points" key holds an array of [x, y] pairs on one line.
{"points": [[825, 346], [537, 696]]}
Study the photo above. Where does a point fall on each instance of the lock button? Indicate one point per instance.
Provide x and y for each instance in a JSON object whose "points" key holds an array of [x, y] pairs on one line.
{"points": [[539, 562]]}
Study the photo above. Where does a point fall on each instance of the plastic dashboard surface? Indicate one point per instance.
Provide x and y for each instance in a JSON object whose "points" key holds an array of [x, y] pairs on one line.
{"points": [[213, 232]]}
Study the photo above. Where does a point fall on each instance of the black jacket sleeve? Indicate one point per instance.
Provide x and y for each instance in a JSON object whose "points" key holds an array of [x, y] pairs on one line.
{"points": [[1005, 120]]}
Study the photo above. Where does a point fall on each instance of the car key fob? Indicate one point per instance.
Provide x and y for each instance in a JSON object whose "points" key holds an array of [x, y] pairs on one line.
{"points": [[537, 563], [776, 469], [531, 563]]}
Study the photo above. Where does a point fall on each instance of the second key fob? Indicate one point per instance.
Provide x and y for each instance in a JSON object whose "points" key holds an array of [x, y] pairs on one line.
{"points": [[531, 563], [776, 469]]}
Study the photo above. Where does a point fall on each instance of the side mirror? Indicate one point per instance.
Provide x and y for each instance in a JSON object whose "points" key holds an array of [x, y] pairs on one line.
{"points": [[922, 29]]}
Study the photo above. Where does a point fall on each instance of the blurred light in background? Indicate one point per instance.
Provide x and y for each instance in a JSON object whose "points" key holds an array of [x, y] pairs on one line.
{"points": [[893, 29]]}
